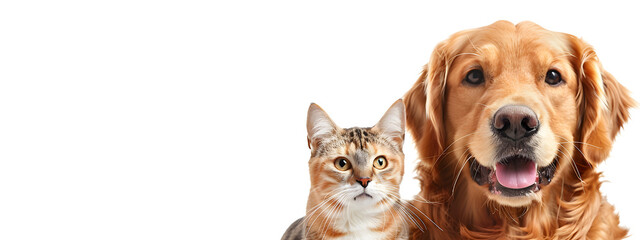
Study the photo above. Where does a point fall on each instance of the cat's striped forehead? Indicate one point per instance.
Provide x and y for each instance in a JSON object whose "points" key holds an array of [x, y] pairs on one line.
{"points": [[361, 138]]}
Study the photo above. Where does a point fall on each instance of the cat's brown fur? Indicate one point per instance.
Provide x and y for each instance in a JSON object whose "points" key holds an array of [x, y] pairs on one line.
{"points": [[338, 207]]}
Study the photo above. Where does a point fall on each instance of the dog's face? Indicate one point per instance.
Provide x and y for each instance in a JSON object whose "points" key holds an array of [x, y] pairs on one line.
{"points": [[511, 110], [515, 103]]}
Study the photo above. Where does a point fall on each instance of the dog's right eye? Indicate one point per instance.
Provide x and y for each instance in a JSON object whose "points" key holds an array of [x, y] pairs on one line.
{"points": [[553, 78], [474, 77]]}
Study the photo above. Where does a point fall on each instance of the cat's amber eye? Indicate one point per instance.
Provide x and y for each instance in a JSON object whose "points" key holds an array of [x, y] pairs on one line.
{"points": [[380, 162], [342, 164]]}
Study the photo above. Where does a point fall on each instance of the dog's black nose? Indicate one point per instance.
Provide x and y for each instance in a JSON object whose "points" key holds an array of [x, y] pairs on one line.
{"points": [[515, 122]]}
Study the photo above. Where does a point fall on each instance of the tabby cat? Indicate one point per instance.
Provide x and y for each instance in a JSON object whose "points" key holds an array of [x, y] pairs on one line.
{"points": [[355, 178]]}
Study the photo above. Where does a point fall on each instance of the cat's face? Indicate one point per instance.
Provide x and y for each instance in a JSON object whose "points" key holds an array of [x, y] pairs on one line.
{"points": [[356, 166]]}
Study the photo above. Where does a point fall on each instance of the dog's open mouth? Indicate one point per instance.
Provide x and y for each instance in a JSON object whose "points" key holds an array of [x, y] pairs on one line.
{"points": [[513, 176]]}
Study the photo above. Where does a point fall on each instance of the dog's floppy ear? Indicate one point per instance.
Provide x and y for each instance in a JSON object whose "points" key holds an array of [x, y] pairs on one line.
{"points": [[603, 101], [415, 107], [424, 107]]}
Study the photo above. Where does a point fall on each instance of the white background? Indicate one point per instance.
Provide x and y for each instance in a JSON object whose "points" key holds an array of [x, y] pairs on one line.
{"points": [[186, 119]]}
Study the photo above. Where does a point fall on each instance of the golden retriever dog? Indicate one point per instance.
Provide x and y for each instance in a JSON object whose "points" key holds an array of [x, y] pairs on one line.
{"points": [[510, 122]]}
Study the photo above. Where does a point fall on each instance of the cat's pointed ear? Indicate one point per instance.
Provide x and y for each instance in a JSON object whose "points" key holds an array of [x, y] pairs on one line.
{"points": [[393, 122], [319, 125]]}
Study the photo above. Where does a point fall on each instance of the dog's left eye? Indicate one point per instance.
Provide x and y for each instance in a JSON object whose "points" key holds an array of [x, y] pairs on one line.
{"points": [[553, 78], [474, 77]]}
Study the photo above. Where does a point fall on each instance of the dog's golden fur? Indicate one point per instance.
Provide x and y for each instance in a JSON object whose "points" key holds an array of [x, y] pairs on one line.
{"points": [[448, 121]]}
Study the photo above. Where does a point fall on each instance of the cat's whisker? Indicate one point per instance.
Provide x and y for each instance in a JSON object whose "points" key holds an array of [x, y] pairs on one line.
{"points": [[395, 213], [425, 200], [384, 213], [334, 191], [335, 198], [421, 200], [425, 215], [400, 201], [404, 217], [405, 214], [310, 215], [318, 206], [330, 219], [317, 216]]}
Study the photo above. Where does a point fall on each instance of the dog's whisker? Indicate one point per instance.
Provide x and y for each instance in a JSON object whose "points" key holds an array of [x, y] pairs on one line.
{"points": [[573, 164], [561, 199], [486, 106], [583, 143], [526, 209], [445, 150], [578, 149], [459, 172]]}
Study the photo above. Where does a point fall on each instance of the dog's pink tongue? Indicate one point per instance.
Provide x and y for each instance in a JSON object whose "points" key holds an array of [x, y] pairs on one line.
{"points": [[516, 174]]}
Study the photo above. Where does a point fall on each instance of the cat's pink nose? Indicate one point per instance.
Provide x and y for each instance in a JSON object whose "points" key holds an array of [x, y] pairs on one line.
{"points": [[363, 181]]}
